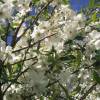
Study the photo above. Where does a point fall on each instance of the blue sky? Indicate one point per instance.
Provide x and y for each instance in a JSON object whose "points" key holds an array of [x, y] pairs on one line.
{"points": [[79, 4]]}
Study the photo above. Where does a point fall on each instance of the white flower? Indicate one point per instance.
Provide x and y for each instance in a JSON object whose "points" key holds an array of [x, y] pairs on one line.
{"points": [[40, 30], [69, 30], [8, 1], [15, 58], [94, 35], [37, 32], [37, 80], [97, 44], [80, 17], [87, 29], [94, 39], [8, 49], [6, 10]]}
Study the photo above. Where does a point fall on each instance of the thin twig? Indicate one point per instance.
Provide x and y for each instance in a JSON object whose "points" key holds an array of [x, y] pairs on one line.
{"points": [[34, 43], [14, 41], [35, 58], [17, 78], [88, 91], [34, 21], [87, 67], [16, 32]]}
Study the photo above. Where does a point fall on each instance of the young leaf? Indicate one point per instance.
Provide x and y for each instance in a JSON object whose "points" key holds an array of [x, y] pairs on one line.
{"points": [[65, 1], [94, 17], [91, 3]]}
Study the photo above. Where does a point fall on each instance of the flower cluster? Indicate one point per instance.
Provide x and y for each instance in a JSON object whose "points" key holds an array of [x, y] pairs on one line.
{"points": [[53, 56], [64, 23]]}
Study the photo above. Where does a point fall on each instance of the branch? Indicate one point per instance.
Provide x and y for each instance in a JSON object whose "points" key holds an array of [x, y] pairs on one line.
{"points": [[35, 58], [31, 45], [87, 67], [16, 32], [88, 91], [17, 78], [33, 22]]}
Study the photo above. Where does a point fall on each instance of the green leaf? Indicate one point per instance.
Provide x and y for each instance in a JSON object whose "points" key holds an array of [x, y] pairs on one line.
{"points": [[97, 58], [68, 57], [79, 37], [2, 29], [45, 14], [15, 24], [96, 77], [35, 1], [68, 42], [64, 1], [8, 66], [17, 68], [2, 1], [94, 17], [41, 98], [91, 3], [97, 51], [96, 65], [4, 75]]}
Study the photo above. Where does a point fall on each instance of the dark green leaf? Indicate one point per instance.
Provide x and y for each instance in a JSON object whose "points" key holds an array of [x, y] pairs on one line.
{"points": [[68, 57], [96, 77], [68, 42], [96, 65], [97, 58], [8, 66], [97, 51], [79, 38], [2, 1], [41, 98]]}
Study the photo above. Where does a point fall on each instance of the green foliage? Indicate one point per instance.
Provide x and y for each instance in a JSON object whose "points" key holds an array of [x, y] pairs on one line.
{"points": [[1, 1], [94, 17], [91, 3], [54, 64], [35, 1], [2, 32], [17, 68], [96, 64], [97, 57], [65, 1], [96, 77], [45, 14], [67, 57], [79, 37]]}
